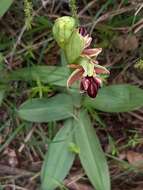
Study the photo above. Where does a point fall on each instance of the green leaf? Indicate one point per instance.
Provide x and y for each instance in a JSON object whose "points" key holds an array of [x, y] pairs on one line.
{"points": [[117, 98], [4, 6], [74, 47], [44, 110], [58, 159], [91, 154], [46, 74]]}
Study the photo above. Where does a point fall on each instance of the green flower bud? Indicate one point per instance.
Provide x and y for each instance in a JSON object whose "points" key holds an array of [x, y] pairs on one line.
{"points": [[74, 47], [62, 29]]}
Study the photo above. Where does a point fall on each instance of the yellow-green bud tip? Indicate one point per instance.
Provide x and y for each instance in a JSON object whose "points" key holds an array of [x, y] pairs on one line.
{"points": [[63, 29]]}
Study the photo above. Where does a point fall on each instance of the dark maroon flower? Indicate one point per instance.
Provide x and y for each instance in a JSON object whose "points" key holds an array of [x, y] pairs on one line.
{"points": [[90, 85]]}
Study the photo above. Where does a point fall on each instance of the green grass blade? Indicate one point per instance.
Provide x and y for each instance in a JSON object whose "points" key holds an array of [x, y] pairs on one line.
{"points": [[11, 137], [91, 154], [58, 159]]}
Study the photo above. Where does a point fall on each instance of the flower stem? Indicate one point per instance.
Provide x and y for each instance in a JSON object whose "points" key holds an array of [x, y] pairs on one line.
{"points": [[73, 7]]}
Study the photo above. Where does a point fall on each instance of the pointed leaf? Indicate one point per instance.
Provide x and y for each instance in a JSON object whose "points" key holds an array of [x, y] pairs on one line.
{"points": [[117, 98], [58, 159], [91, 154], [47, 74], [4, 5], [44, 110]]}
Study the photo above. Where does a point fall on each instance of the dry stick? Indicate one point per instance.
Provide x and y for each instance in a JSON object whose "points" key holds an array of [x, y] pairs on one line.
{"points": [[138, 28], [74, 179], [17, 43], [86, 7], [125, 68], [21, 35], [14, 187], [139, 8], [26, 140], [135, 27], [110, 15], [45, 2], [34, 46], [136, 116]]}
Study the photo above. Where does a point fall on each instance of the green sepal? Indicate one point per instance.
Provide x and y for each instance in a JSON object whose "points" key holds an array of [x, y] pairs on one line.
{"points": [[74, 47]]}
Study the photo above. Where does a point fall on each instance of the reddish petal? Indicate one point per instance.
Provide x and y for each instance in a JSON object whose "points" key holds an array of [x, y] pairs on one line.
{"points": [[76, 75], [92, 52], [101, 70]]}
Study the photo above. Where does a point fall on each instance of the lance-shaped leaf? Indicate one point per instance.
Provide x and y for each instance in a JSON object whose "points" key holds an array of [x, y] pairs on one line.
{"points": [[53, 75], [117, 98], [74, 47], [44, 110], [4, 5], [91, 154], [58, 159]]}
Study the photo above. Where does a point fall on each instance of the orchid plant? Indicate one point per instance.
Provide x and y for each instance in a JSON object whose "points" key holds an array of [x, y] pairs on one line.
{"points": [[76, 44], [52, 104]]}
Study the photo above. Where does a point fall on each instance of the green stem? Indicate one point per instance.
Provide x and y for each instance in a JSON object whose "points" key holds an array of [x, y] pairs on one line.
{"points": [[73, 7]]}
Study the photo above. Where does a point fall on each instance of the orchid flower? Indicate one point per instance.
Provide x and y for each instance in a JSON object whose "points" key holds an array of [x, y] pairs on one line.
{"points": [[87, 69], [80, 57]]}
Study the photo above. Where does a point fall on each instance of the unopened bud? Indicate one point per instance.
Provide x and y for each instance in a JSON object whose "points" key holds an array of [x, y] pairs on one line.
{"points": [[62, 29]]}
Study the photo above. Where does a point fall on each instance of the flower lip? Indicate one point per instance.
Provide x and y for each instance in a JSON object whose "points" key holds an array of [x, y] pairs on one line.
{"points": [[92, 90], [90, 85]]}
